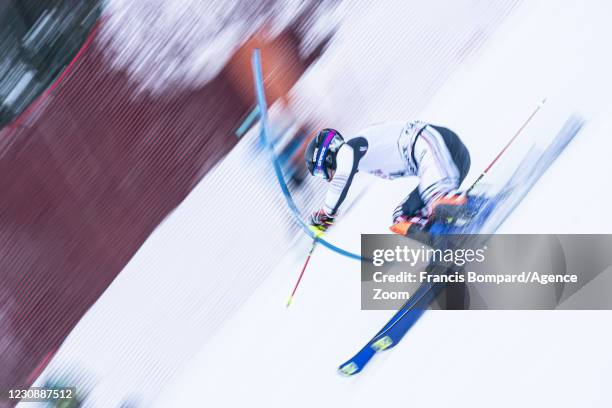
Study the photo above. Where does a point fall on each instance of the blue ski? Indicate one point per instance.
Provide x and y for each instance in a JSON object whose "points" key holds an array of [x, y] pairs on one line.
{"points": [[404, 318]]}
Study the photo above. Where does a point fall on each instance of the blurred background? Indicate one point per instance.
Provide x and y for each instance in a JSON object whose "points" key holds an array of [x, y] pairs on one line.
{"points": [[141, 224], [38, 40]]}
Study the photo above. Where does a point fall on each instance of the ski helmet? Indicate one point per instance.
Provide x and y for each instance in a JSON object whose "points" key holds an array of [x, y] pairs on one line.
{"points": [[321, 153]]}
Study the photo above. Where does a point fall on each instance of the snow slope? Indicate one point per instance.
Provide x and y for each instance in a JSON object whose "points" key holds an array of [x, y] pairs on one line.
{"points": [[268, 356], [179, 326]]}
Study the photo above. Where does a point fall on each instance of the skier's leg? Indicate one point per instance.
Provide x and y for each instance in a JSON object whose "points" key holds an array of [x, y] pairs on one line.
{"points": [[456, 295], [444, 163], [458, 151], [449, 204]]}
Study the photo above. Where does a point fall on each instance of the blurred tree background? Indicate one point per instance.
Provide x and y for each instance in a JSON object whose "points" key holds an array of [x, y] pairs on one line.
{"points": [[38, 39]]}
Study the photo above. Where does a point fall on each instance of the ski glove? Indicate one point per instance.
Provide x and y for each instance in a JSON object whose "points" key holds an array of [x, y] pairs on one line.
{"points": [[321, 219]]}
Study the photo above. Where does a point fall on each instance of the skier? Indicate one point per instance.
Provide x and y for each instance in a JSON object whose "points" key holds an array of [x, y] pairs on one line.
{"points": [[389, 150]]}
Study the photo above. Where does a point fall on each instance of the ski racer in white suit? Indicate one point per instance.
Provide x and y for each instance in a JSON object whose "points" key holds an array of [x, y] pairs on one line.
{"points": [[389, 150]]}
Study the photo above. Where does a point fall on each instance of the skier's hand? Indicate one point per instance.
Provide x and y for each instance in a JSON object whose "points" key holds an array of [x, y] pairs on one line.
{"points": [[321, 220]]}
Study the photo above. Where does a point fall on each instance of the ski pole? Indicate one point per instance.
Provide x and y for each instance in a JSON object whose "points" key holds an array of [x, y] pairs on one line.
{"points": [[518, 132], [317, 234]]}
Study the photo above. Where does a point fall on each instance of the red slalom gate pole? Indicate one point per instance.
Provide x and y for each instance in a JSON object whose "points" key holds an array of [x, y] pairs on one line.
{"points": [[318, 233], [518, 132]]}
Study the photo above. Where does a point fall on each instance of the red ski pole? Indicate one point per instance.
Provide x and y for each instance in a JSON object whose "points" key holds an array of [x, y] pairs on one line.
{"points": [[317, 233], [518, 132]]}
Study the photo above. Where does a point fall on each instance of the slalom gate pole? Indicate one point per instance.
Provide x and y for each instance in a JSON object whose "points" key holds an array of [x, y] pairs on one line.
{"points": [[518, 132], [318, 233], [265, 132]]}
